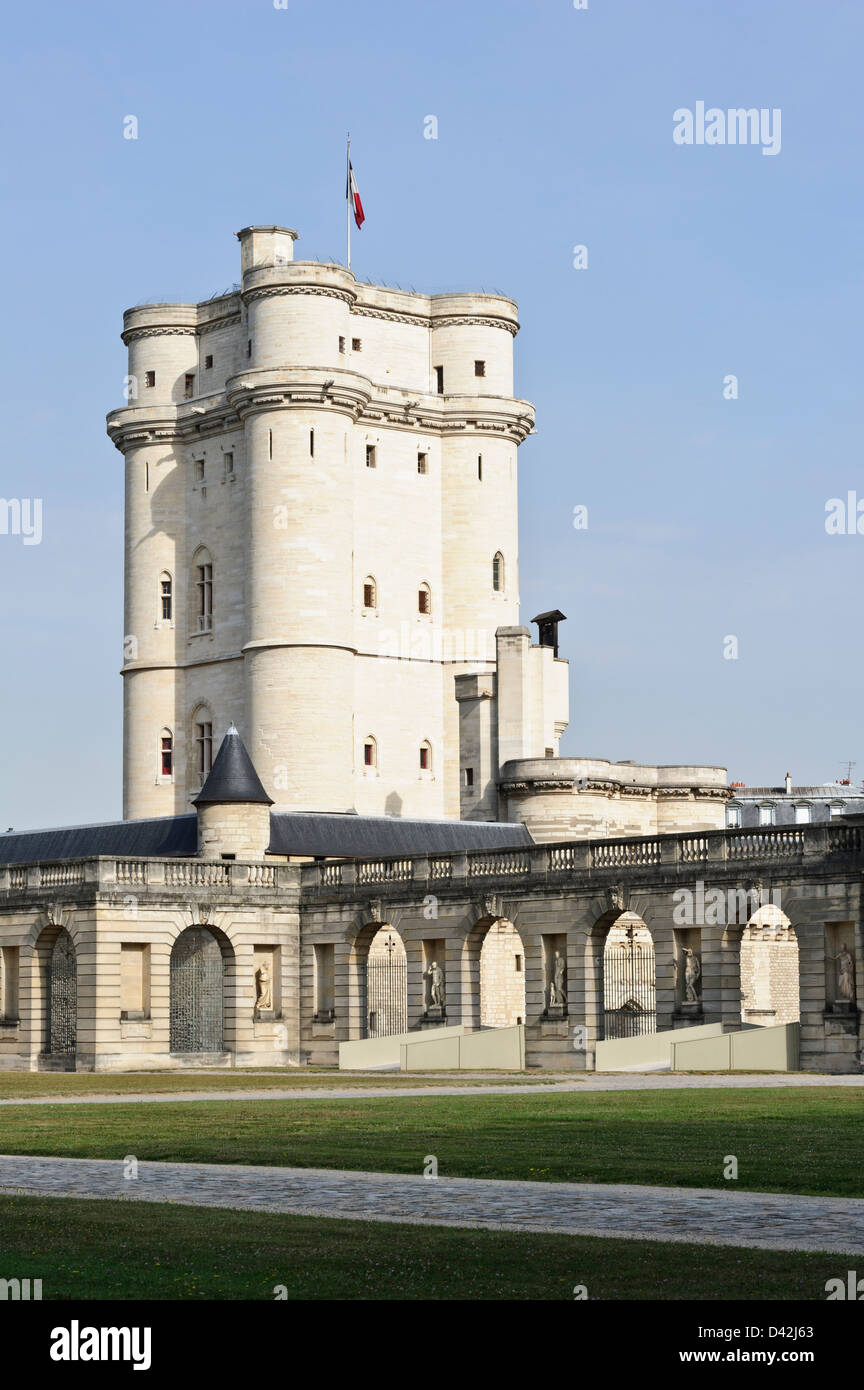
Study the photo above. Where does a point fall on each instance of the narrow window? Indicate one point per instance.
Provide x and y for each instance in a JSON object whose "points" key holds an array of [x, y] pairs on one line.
{"points": [[370, 753], [146, 477], [341, 344], [356, 345], [371, 456], [149, 378], [424, 599], [166, 589], [270, 442], [166, 753], [205, 597], [480, 467], [422, 463], [439, 380], [498, 573], [208, 362], [199, 470], [188, 386], [469, 776], [517, 961], [312, 444], [229, 463], [479, 368], [370, 593], [204, 748], [425, 757], [249, 348]]}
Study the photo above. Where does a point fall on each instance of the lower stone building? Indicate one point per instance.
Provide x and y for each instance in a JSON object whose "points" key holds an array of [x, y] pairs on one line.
{"points": [[240, 936]]}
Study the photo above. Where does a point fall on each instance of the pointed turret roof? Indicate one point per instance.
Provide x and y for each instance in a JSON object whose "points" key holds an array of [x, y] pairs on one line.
{"points": [[232, 776]]}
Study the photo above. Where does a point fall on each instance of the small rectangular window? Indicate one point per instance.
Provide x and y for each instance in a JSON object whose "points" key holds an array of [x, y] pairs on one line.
{"points": [[341, 344], [479, 368], [368, 595], [312, 444], [249, 348], [439, 380], [517, 961], [229, 463], [188, 386], [356, 345], [270, 443], [149, 378], [469, 776], [199, 470], [371, 456], [167, 756], [369, 754], [208, 361], [422, 463], [424, 758], [480, 467]]}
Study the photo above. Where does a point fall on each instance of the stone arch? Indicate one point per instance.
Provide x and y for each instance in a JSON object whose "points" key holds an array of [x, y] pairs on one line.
{"points": [[493, 974], [770, 978], [57, 965], [200, 978], [621, 977], [377, 982]]}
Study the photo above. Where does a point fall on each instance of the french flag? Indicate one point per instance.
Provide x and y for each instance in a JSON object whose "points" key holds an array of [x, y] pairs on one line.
{"points": [[354, 198]]}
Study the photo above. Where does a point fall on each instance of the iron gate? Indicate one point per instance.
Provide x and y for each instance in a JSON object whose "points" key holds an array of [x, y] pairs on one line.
{"points": [[629, 988], [62, 997], [386, 994], [197, 972]]}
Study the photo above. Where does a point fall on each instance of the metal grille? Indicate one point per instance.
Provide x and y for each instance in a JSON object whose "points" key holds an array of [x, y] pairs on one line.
{"points": [[62, 997], [196, 992], [386, 995], [629, 989]]}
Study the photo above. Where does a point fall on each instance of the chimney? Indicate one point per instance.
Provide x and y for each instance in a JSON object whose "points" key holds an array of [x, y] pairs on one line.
{"points": [[788, 783]]}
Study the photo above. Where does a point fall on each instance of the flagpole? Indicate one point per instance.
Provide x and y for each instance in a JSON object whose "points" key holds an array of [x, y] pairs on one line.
{"points": [[348, 199]]}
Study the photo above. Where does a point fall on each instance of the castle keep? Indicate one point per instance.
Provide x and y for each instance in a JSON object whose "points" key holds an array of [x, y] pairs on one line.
{"points": [[346, 814]]}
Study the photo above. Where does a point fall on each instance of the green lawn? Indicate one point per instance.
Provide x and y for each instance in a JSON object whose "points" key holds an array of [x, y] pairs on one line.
{"points": [[33, 1085], [785, 1140], [99, 1249]]}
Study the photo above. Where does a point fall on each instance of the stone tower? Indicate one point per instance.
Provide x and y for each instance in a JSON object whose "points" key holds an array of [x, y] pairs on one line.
{"points": [[321, 538]]}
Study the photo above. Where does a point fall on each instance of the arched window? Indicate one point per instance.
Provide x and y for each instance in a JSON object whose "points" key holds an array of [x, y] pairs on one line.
{"points": [[166, 597], [425, 756], [370, 753], [166, 753], [202, 742], [498, 572], [424, 599], [370, 592], [202, 576]]}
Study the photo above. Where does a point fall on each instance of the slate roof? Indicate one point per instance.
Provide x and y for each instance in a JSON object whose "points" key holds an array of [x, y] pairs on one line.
{"points": [[232, 776], [314, 834]]}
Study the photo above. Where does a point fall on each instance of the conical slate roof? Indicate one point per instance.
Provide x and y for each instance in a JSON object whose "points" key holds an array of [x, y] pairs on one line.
{"points": [[232, 776]]}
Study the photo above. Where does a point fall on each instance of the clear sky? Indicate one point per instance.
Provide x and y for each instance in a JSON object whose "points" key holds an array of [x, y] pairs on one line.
{"points": [[706, 516]]}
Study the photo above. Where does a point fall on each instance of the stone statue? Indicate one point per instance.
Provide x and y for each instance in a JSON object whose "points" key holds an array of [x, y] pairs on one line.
{"points": [[436, 985], [845, 975], [692, 975], [558, 985], [263, 987]]}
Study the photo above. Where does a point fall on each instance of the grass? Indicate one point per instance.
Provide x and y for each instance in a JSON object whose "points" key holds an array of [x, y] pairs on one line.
{"points": [[34, 1085], [785, 1140], [107, 1249]]}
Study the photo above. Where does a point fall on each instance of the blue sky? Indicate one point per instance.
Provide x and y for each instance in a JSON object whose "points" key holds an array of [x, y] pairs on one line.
{"points": [[706, 516]]}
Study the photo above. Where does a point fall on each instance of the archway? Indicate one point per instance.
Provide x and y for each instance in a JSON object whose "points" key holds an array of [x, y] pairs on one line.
{"points": [[629, 979], [502, 976], [386, 985], [197, 982], [62, 1010], [769, 969]]}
